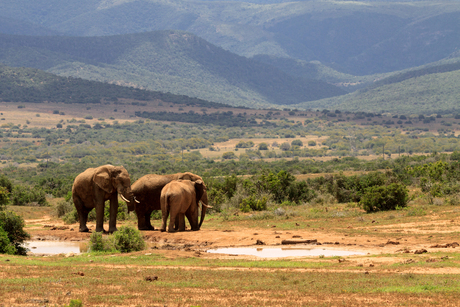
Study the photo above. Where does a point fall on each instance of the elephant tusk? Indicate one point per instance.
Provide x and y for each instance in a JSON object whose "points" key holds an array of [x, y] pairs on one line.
{"points": [[206, 206], [122, 197], [136, 200]]}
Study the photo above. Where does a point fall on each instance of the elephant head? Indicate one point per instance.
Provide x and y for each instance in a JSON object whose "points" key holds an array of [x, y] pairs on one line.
{"points": [[116, 178]]}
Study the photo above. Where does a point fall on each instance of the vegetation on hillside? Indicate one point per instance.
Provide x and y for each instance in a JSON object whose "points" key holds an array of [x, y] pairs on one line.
{"points": [[33, 85], [183, 64]]}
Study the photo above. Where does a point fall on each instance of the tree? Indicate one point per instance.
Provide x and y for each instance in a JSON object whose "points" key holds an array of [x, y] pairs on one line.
{"points": [[285, 146], [4, 197], [263, 146], [13, 225], [384, 198], [228, 155]]}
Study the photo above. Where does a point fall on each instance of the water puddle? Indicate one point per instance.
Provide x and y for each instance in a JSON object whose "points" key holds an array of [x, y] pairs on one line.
{"points": [[283, 252], [55, 247]]}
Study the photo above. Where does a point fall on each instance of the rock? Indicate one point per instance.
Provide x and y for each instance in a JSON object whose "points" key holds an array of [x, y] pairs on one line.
{"points": [[392, 242], [80, 273], [290, 241], [453, 245], [420, 251], [150, 278], [260, 242]]}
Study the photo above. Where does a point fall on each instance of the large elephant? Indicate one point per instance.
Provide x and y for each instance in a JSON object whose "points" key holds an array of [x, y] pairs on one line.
{"points": [[96, 185], [147, 191], [178, 198]]}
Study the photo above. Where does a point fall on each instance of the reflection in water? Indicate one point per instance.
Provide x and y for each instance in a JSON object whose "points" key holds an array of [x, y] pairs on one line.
{"points": [[282, 252], [55, 247]]}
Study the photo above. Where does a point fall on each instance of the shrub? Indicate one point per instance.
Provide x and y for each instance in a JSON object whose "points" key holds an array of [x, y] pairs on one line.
{"points": [[64, 207], [13, 225], [22, 195], [263, 146], [97, 243], [125, 240], [5, 245], [253, 203], [228, 155], [384, 198], [4, 197], [128, 239], [75, 303], [71, 217]]}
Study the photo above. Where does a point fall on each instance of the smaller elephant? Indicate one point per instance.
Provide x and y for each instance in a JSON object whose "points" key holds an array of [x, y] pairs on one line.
{"points": [[179, 198]]}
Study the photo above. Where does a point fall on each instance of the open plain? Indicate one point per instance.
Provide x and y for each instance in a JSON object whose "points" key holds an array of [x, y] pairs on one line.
{"points": [[410, 259]]}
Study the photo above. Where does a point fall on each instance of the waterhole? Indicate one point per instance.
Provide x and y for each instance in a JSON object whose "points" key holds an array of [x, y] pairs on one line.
{"points": [[283, 252], [55, 247]]}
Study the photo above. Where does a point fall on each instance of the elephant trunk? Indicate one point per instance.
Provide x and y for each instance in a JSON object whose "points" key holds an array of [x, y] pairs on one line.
{"points": [[204, 206], [128, 196]]}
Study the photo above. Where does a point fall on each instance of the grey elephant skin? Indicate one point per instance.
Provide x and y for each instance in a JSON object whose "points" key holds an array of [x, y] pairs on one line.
{"points": [[180, 197], [96, 185], [147, 190]]}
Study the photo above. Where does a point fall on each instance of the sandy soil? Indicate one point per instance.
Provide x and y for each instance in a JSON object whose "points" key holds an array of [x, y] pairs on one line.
{"points": [[195, 244]]}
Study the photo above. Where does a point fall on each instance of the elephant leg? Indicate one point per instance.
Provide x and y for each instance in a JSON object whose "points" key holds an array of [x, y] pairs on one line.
{"points": [[113, 214], [100, 216], [164, 215], [172, 221], [82, 214], [148, 224], [180, 222]]}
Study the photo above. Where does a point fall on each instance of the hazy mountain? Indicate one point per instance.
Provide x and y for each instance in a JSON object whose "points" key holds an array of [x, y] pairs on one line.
{"points": [[357, 37], [167, 61]]}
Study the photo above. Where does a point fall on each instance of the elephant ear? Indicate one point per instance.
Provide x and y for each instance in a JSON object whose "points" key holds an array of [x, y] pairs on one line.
{"points": [[199, 189], [103, 179]]}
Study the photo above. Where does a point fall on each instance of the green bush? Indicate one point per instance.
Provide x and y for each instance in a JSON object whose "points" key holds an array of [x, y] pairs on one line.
{"points": [[23, 195], [4, 197], [64, 207], [253, 203], [75, 303], [125, 240], [5, 245], [384, 198], [97, 243], [128, 239], [13, 225], [71, 217]]}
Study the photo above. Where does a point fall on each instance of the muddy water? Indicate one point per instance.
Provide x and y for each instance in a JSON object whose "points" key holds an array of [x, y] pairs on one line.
{"points": [[55, 247], [283, 252]]}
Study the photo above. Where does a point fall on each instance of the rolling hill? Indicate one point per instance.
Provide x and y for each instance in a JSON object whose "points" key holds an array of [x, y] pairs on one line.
{"points": [[425, 90], [167, 61], [37, 86]]}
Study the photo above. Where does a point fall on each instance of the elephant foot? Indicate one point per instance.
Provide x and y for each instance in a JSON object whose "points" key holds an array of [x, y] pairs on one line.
{"points": [[146, 228], [101, 230], [112, 230], [162, 230], [84, 229]]}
